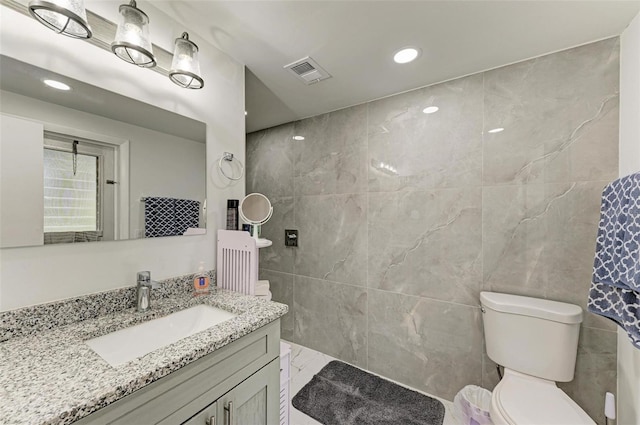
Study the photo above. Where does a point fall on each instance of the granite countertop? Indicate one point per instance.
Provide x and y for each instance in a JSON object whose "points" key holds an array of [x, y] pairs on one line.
{"points": [[50, 376]]}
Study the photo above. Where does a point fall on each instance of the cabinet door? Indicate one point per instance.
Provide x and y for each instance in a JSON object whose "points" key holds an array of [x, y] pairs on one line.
{"points": [[206, 416], [255, 401]]}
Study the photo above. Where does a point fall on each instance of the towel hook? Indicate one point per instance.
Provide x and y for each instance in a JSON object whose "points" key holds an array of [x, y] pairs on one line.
{"points": [[228, 156]]}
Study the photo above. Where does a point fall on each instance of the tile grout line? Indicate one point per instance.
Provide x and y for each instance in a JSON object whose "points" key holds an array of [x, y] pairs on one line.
{"points": [[295, 224], [436, 188], [366, 182], [482, 211], [367, 289]]}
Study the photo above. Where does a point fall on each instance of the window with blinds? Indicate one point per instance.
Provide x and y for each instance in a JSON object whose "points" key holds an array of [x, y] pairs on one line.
{"points": [[70, 201]]}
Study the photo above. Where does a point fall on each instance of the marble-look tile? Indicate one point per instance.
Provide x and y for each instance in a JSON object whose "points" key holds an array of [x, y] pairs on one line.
{"points": [[281, 286], [443, 149], [560, 117], [427, 243], [305, 363], [430, 345], [332, 157], [417, 231], [331, 317], [332, 244], [269, 158], [539, 241], [595, 371], [278, 256]]}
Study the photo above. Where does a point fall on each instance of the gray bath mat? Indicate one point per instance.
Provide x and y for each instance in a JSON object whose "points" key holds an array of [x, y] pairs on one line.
{"points": [[341, 394]]}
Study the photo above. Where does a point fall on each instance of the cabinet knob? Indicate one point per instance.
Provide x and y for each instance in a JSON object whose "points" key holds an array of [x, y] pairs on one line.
{"points": [[211, 420]]}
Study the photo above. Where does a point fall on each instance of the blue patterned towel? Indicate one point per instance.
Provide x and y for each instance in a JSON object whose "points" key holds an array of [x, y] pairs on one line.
{"points": [[169, 216], [187, 214], [615, 288], [159, 217]]}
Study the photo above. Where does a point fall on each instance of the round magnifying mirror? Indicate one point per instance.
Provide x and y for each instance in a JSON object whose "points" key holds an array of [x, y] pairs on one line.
{"points": [[255, 209]]}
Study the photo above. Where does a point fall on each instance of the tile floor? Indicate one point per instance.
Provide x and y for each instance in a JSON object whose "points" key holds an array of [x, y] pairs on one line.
{"points": [[305, 363]]}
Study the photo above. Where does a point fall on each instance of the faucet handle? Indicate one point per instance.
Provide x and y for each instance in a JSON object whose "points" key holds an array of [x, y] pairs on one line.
{"points": [[144, 277]]}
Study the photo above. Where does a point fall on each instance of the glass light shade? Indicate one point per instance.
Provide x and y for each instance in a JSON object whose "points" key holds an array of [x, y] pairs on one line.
{"points": [[132, 43], [67, 17], [185, 67]]}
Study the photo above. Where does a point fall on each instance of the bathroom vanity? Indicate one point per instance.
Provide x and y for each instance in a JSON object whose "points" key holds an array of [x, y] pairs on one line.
{"points": [[238, 384], [225, 374]]}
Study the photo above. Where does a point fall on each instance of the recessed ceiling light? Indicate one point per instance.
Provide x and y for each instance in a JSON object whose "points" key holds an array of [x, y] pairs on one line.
{"points": [[496, 130], [298, 137], [406, 55], [56, 85], [430, 109]]}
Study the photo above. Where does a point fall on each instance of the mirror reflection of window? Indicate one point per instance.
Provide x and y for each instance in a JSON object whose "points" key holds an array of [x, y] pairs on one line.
{"points": [[70, 200], [78, 201]]}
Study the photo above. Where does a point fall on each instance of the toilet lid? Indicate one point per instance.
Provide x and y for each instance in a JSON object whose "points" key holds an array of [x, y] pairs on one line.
{"points": [[531, 401]]}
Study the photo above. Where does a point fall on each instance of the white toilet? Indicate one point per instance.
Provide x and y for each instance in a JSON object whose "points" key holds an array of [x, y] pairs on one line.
{"points": [[536, 342]]}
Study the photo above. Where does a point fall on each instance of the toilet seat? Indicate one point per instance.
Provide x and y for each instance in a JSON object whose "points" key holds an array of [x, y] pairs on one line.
{"points": [[521, 399]]}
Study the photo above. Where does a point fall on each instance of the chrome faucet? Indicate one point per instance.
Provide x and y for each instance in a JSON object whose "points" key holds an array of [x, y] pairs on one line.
{"points": [[143, 292]]}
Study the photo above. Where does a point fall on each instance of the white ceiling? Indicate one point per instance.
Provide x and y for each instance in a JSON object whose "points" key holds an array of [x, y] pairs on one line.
{"points": [[355, 40], [26, 80]]}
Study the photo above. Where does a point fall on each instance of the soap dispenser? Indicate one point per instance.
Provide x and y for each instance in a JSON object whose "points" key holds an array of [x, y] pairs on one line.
{"points": [[201, 281]]}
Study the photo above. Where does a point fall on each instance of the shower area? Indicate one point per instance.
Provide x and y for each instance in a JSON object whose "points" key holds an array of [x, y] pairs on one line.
{"points": [[408, 206]]}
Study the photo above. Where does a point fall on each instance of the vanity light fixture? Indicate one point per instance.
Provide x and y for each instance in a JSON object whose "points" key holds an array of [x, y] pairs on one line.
{"points": [[496, 130], [406, 55], [430, 109], [185, 67], [298, 137], [132, 43], [67, 17], [56, 85]]}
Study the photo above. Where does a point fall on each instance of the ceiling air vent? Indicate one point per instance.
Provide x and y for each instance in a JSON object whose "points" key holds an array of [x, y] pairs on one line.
{"points": [[308, 71]]}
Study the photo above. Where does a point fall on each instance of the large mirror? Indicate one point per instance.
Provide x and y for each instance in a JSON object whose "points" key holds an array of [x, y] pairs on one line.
{"points": [[84, 164]]}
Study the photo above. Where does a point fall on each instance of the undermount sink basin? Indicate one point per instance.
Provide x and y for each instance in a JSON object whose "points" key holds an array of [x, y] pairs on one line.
{"points": [[127, 344]]}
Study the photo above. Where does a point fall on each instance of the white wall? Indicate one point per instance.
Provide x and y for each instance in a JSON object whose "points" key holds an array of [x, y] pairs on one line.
{"points": [[39, 274], [628, 356]]}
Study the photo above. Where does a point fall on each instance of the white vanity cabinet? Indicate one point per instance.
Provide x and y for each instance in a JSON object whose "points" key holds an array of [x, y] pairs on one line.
{"points": [[237, 384]]}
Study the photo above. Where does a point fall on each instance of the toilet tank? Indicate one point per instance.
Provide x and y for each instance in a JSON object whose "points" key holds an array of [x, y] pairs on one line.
{"points": [[531, 335]]}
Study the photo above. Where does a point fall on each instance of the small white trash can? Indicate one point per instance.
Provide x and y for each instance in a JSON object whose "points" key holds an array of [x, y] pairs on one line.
{"points": [[471, 406]]}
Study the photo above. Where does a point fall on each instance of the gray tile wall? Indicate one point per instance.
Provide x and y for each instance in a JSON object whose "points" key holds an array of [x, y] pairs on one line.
{"points": [[405, 217]]}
